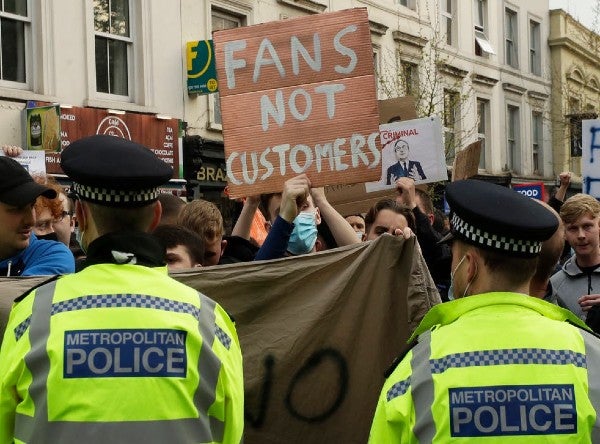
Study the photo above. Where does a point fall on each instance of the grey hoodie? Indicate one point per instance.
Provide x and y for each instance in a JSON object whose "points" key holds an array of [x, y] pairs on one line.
{"points": [[570, 283]]}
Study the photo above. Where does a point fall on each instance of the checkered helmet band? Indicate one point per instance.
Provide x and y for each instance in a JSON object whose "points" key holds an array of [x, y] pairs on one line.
{"points": [[115, 197], [494, 241]]}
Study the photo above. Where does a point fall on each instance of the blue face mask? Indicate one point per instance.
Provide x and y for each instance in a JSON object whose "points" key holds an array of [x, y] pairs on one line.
{"points": [[79, 238], [304, 235]]}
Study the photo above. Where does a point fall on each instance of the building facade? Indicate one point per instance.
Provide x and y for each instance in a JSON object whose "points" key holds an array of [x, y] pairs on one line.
{"points": [[482, 65], [575, 71]]}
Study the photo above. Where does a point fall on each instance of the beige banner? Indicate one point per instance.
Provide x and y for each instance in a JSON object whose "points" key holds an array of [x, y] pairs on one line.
{"points": [[317, 334]]}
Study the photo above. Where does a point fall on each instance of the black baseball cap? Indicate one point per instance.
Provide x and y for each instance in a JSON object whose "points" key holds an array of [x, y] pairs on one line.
{"points": [[17, 187]]}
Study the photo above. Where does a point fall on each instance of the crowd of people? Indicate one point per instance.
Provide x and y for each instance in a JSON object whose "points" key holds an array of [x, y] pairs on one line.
{"points": [[109, 238]]}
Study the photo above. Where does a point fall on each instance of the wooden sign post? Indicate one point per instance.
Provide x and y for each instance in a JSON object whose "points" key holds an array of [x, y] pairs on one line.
{"points": [[298, 96]]}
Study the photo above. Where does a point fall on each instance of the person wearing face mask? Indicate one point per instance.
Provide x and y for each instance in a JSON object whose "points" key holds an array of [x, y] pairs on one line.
{"points": [[494, 364], [293, 224]]}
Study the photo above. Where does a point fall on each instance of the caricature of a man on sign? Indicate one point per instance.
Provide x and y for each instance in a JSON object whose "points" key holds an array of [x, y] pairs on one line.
{"points": [[298, 96]]}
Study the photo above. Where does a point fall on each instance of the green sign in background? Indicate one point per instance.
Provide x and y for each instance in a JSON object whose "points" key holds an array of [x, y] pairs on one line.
{"points": [[201, 71]]}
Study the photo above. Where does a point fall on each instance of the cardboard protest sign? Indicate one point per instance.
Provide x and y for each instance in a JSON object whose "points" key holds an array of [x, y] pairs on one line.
{"points": [[317, 333], [353, 198], [590, 157], [298, 96], [466, 162], [34, 161], [412, 148], [397, 109]]}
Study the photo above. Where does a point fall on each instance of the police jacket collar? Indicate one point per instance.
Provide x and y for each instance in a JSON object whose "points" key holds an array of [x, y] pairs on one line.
{"points": [[448, 312], [126, 247]]}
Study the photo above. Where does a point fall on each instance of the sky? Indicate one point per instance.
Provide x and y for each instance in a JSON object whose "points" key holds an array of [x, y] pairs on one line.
{"points": [[581, 10]]}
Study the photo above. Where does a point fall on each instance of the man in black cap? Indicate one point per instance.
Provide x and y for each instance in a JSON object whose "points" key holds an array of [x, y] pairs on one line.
{"points": [[119, 351], [21, 253], [494, 364]]}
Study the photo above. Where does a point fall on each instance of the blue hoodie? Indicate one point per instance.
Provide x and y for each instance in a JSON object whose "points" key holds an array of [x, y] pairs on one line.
{"points": [[41, 257]]}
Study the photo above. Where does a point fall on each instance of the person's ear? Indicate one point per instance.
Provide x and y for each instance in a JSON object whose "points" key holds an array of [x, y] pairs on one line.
{"points": [[80, 215], [472, 260], [223, 246], [156, 216], [318, 215]]}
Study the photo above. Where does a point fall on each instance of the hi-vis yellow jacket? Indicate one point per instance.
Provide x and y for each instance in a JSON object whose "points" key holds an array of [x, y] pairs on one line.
{"points": [[90, 358], [491, 368]]}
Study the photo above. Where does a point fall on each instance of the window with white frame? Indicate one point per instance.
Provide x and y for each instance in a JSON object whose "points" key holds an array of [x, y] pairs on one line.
{"points": [[537, 148], [113, 46], [483, 127], [221, 19], [535, 59], [513, 139], [451, 114], [376, 61], [15, 24], [510, 38], [410, 77], [483, 47], [448, 21], [407, 3]]}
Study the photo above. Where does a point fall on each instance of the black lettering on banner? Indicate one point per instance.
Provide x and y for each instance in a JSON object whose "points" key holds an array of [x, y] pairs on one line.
{"points": [[311, 365], [265, 394]]}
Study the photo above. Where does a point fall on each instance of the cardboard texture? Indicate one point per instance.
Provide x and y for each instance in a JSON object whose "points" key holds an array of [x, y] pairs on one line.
{"points": [[398, 109], [466, 162], [298, 96], [317, 333], [354, 198]]}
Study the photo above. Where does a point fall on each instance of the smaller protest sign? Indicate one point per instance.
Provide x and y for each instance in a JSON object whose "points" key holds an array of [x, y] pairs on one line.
{"points": [[34, 161], [590, 157], [466, 162], [201, 70], [535, 190], [412, 148], [42, 128], [397, 109]]}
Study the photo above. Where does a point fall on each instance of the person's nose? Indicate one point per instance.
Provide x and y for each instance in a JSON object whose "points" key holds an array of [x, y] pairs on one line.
{"points": [[29, 216]]}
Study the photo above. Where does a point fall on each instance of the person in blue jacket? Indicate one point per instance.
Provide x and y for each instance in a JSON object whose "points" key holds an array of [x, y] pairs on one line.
{"points": [[21, 253]]}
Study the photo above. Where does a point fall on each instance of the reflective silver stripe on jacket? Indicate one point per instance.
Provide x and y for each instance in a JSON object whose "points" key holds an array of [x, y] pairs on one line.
{"points": [[422, 389], [40, 429], [423, 367], [592, 352]]}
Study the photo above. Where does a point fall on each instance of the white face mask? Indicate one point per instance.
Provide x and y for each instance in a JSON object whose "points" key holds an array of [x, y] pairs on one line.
{"points": [[452, 274]]}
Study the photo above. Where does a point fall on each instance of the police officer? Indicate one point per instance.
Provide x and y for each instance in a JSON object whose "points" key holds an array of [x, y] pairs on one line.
{"points": [[494, 365], [119, 352]]}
